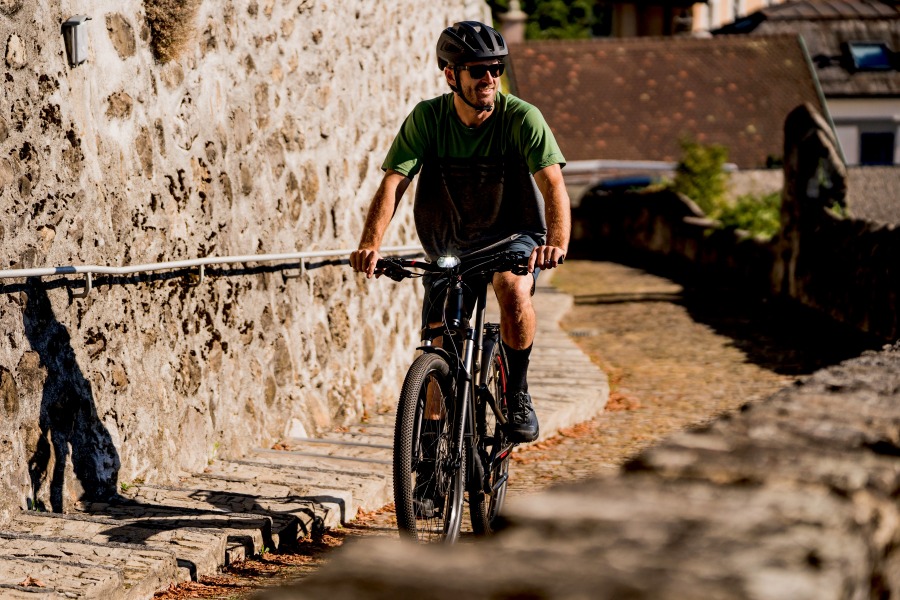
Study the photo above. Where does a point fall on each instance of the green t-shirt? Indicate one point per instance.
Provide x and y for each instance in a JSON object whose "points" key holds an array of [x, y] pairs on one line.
{"points": [[433, 128], [476, 187]]}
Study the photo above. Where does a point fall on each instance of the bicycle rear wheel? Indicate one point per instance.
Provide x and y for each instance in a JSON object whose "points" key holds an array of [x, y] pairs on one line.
{"points": [[484, 508], [428, 478]]}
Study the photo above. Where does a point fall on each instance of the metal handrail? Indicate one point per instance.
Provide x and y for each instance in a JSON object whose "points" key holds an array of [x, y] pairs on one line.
{"points": [[91, 270]]}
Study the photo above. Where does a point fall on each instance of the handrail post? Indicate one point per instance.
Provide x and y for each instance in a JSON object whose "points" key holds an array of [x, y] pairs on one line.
{"points": [[89, 285]]}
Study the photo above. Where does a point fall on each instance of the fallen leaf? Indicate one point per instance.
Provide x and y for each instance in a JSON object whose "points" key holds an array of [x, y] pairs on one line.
{"points": [[32, 582]]}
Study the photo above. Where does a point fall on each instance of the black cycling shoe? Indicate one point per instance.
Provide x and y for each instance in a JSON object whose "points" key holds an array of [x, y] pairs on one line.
{"points": [[523, 422]]}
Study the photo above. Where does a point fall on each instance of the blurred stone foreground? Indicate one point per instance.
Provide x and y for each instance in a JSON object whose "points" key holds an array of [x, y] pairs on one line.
{"points": [[793, 497]]}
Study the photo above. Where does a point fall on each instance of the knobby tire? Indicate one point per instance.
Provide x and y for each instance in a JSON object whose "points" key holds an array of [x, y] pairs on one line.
{"points": [[424, 468]]}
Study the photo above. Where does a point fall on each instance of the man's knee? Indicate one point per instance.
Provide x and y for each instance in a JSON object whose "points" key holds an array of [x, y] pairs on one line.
{"points": [[514, 287], [515, 300]]}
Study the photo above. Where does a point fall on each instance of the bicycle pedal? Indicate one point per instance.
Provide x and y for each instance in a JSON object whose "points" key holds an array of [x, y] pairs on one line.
{"points": [[500, 481]]}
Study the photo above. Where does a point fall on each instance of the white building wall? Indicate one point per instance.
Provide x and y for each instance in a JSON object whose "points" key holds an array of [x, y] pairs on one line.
{"points": [[852, 116]]}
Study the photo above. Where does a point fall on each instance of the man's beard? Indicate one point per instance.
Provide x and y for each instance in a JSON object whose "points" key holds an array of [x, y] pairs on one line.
{"points": [[476, 98]]}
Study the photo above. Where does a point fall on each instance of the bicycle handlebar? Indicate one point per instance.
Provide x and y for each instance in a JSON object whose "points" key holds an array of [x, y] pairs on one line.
{"points": [[508, 260]]}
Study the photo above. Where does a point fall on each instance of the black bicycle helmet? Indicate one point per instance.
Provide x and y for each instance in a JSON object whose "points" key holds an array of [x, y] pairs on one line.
{"points": [[469, 41]]}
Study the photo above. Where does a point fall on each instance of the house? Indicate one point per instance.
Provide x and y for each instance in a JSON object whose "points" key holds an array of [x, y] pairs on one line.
{"points": [[713, 14], [648, 18], [854, 47], [633, 19], [661, 18], [634, 99]]}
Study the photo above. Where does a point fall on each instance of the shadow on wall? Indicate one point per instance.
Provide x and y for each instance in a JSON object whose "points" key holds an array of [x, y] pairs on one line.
{"points": [[69, 426]]}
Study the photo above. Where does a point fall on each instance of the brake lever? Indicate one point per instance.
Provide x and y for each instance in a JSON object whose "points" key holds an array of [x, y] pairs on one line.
{"points": [[395, 275], [390, 269]]}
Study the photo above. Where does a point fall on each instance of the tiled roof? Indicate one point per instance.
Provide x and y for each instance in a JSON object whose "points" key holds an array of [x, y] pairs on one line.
{"points": [[872, 193], [823, 41], [830, 9], [825, 25], [634, 98]]}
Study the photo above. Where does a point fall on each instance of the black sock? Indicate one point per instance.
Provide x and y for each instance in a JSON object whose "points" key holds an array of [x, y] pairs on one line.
{"points": [[516, 369]]}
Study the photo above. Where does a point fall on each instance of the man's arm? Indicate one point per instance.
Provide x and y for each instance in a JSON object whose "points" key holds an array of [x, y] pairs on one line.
{"points": [[558, 215], [381, 211]]}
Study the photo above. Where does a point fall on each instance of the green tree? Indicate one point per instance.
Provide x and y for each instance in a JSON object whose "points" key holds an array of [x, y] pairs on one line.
{"points": [[554, 19]]}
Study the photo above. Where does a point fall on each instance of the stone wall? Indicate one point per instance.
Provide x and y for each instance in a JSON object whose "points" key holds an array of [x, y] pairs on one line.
{"points": [[845, 268], [668, 231], [264, 135]]}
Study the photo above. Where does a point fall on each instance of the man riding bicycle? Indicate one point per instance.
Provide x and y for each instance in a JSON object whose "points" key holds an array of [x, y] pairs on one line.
{"points": [[491, 176]]}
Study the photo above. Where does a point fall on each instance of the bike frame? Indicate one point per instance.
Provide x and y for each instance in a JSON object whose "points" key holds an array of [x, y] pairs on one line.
{"points": [[467, 366], [476, 447]]}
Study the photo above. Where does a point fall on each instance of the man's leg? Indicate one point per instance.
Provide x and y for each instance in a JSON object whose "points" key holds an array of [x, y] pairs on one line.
{"points": [[517, 327], [434, 405]]}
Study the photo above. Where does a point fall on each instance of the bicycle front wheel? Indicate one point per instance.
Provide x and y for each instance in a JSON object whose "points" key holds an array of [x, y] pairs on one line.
{"points": [[428, 474]]}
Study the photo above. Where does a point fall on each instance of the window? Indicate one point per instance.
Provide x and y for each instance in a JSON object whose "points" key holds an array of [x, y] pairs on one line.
{"points": [[876, 148], [869, 56]]}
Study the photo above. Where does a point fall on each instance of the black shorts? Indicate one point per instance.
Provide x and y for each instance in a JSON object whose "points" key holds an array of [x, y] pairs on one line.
{"points": [[433, 306]]}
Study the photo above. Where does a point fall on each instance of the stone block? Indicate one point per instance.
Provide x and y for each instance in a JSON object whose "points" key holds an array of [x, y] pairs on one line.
{"points": [[143, 570], [198, 551]]}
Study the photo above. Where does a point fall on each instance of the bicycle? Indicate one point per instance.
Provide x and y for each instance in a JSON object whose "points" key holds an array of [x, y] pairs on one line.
{"points": [[449, 435]]}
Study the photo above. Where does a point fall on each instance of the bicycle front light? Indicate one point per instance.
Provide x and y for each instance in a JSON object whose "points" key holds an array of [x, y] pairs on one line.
{"points": [[447, 262]]}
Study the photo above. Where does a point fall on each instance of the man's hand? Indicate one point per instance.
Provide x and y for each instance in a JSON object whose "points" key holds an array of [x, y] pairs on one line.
{"points": [[545, 257], [364, 261]]}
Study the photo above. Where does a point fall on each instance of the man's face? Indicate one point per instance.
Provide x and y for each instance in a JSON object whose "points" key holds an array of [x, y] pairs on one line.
{"points": [[479, 91]]}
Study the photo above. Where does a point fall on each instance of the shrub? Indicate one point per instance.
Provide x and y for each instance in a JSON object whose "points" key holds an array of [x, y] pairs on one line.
{"points": [[759, 215], [700, 175]]}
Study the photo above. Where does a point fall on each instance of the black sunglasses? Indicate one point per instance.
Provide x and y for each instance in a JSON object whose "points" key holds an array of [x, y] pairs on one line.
{"points": [[478, 71]]}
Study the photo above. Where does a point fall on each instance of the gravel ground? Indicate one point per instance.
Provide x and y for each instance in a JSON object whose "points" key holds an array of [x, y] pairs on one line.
{"points": [[676, 358]]}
